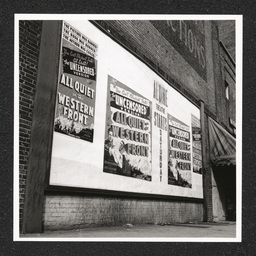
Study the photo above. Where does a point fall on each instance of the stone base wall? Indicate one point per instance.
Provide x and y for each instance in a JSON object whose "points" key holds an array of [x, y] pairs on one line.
{"points": [[73, 211]]}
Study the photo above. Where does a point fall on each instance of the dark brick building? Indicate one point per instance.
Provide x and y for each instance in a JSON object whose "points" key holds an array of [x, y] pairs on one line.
{"points": [[30, 36], [190, 57]]}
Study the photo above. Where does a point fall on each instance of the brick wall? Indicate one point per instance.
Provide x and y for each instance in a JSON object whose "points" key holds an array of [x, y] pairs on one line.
{"points": [[74, 211], [226, 108], [143, 39], [29, 45], [227, 35], [230, 79]]}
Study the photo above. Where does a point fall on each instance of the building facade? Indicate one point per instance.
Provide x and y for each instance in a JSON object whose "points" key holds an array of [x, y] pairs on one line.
{"points": [[125, 121]]}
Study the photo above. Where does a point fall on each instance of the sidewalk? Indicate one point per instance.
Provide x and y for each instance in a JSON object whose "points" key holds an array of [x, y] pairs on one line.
{"points": [[174, 230]]}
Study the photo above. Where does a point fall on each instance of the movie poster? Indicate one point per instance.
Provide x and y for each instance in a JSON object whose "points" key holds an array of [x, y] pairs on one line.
{"points": [[179, 153], [76, 94], [196, 145], [127, 148]]}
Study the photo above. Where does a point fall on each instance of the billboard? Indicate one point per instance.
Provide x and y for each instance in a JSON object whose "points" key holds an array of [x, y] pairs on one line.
{"points": [[142, 138]]}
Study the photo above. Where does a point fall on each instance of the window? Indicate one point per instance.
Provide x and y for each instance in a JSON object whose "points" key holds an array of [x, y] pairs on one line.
{"points": [[227, 90]]}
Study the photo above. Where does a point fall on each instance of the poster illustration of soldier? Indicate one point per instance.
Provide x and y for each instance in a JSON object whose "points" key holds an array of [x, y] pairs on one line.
{"points": [[196, 145], [127, 148], [75, 106], [179, 153]]}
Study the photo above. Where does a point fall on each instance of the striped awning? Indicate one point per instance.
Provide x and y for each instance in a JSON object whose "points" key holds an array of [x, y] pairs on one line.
{"points": [[222, 145]]}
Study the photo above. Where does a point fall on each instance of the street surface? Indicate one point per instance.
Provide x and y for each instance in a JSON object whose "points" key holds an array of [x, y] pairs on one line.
{"points": [[173, 230]]}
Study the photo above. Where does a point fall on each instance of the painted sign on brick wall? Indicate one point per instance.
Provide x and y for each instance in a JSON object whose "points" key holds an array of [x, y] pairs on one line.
{"points": [[75, 106], [187, 37]]}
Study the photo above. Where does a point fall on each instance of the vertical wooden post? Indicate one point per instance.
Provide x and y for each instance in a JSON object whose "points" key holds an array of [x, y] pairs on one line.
{"points": [[203, 141], [42, 126]]}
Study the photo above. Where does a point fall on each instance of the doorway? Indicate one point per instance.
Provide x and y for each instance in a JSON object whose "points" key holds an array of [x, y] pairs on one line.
{"points": [[224, 193]]}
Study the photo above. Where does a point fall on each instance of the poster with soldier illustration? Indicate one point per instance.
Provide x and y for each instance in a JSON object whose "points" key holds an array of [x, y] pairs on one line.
{"points": [[179, 153], [75, 103], [127, 147]]}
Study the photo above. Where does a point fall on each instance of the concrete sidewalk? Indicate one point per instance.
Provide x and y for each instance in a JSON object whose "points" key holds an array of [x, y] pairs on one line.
{"points": [[173, 230]]}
